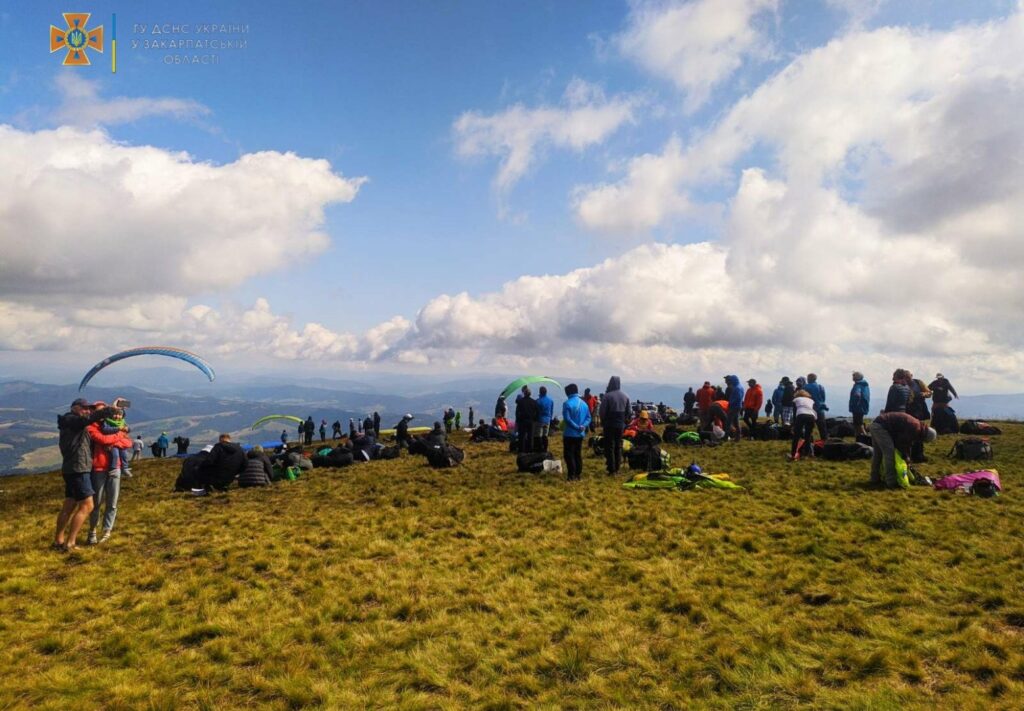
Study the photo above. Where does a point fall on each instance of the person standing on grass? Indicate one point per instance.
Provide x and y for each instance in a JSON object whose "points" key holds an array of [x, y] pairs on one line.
{"points": [[860, 402], [898, 397], [752, 404], [284, 437], [941, 389], [402, 432], [614, 409], [705, 396], [688, 401], [541, 429], [893, 432], [376, 424], [788, 393], [137, 445], [527, 413], [803, 425], [308, 428], [472, 422], [777, 402], [336, 430], [817, 393], [576, 419], [734, 394], [458, 420], [323, 430], [76, 466], [106, 478], [161, 444], [591, 402]]}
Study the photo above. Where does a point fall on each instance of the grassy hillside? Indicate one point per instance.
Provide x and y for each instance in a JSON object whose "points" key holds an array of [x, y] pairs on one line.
{"points": [[393, 585]]}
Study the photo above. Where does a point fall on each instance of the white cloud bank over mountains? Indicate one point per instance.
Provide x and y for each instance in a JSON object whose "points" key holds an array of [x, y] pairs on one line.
{"points": [[877, 198]]}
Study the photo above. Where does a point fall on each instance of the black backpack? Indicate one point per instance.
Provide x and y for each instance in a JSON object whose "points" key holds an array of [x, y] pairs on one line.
{"points": [[189, 476], [445, 456], [390, 452], [532, 462], [597, 445], [977, 427], [971, 448], [944, 420]]}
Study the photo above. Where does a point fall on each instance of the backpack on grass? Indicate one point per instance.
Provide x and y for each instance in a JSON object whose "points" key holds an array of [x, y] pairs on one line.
{"points": [[533, 462], [978, 427], [445, 456], [971, 448]]}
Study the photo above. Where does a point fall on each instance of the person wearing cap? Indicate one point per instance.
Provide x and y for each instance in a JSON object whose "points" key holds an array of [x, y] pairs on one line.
{"points": [[576, 419], [893, 432], [860, 401], [752, 402], [76, 467], [941, 389], [640, 423], [161, 444], [402, 432]]}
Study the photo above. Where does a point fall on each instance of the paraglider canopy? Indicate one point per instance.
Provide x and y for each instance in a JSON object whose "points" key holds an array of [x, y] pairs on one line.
{"points": [[526, 380], [268, 418], [167, 351]]}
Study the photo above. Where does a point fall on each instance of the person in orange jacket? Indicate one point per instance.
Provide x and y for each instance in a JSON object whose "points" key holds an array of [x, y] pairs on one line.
{"points": [[705, 396], [752, 402], [717, 414]]}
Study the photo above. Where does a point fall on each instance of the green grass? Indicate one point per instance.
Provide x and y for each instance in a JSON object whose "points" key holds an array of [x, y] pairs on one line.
{"points": [[393, 585]]}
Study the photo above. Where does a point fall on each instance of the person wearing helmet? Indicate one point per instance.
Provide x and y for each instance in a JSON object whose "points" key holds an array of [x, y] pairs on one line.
{"points": [[893, 432], [402, 432]]}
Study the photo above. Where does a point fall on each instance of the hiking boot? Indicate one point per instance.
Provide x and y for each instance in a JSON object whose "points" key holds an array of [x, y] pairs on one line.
{"points": [[91, 540], [105, 537]]}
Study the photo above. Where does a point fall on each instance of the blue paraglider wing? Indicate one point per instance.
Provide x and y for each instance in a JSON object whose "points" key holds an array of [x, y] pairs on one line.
{"points": [[178, 353]]}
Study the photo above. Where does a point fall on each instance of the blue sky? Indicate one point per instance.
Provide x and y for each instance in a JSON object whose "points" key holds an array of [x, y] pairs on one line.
{"points": [[378, 90]]}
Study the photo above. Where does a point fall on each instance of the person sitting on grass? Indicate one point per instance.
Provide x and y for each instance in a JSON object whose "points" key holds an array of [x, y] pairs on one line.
{"points": [[893, 432], [258, 469], [226, 461], [437, 436], [640, 423]]}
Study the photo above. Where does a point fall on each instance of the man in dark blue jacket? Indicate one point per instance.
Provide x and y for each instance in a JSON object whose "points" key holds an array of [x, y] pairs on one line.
{"points": [[527, 413], [613, 411]]}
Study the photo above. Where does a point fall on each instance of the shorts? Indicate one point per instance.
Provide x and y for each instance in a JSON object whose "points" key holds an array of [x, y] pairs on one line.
{"points": [[78, 486]]}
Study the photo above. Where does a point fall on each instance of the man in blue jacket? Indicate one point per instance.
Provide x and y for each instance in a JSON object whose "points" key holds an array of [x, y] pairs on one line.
{"points": [[860, 402], [779, 391], [546, 406], [734, 393], [576, 420], [817, 393]]}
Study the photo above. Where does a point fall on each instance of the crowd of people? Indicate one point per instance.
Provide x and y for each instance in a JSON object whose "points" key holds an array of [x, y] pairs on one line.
{"points": [[97, 451]]}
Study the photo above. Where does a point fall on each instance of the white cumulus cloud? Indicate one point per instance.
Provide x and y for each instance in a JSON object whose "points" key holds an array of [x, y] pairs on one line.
{"points": [[518, 134], [697, 44]]}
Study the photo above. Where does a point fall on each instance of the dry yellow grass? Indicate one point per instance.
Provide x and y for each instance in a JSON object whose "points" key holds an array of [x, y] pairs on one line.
{"points": [[392, 585]]}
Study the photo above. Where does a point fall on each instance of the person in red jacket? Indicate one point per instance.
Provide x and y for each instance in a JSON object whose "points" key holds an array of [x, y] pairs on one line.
{"points": [[705, 396], [752, 402], [106, 484]]}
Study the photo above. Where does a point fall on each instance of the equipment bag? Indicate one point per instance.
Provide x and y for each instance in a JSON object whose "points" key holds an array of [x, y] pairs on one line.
{"points": [[597, 445], [971, 448], [390, 452], [978, 427], [445, 456], [533, 462]]}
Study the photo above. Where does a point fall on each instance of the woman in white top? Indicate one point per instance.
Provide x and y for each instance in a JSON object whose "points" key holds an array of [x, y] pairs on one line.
{"points": [[803, 425]]}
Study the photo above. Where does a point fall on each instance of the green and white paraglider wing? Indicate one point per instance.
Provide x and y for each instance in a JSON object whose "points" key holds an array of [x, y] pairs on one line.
{"points": [[268, 418], [527, 380]]}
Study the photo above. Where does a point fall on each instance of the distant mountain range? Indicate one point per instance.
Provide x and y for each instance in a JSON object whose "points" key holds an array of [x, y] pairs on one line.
{"points": [[181, 404]]}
